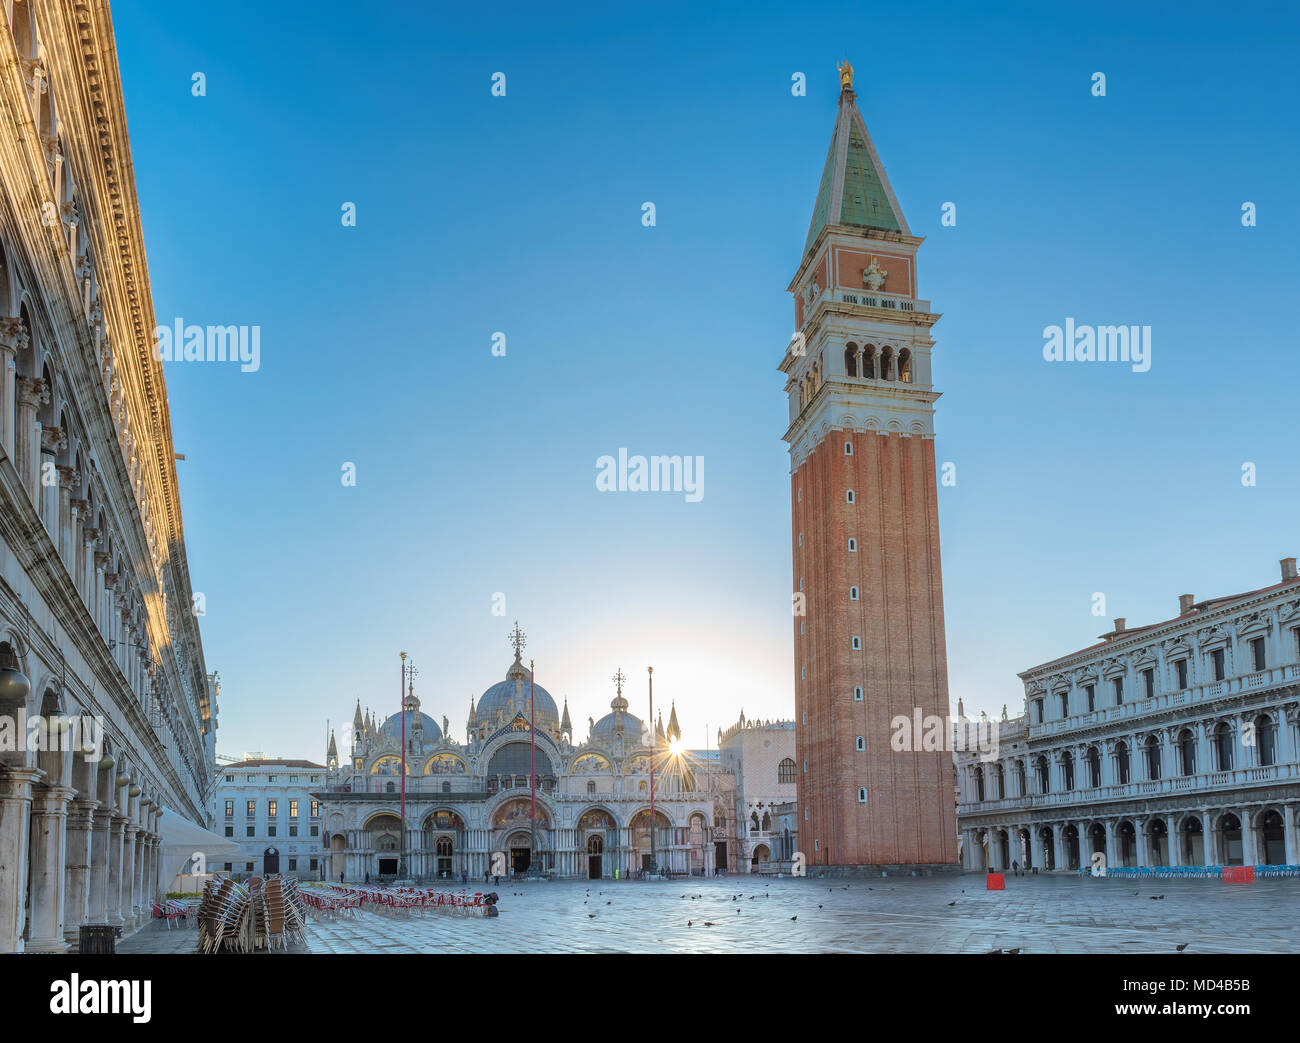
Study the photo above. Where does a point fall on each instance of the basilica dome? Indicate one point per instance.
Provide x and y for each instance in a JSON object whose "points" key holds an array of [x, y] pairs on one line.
{"points": [[617, 722], [502, 698], [391, 729], [604, 730]]}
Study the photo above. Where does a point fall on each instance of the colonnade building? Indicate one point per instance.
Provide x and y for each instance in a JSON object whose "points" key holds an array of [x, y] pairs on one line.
{"points": [[96, 625], [1172, 744]]}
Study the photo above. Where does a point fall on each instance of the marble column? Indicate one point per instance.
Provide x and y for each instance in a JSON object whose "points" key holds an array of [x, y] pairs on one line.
{"points": [[13, 339], [76, 900], [31, 393], [97, 902], [1210, 838], [137, 877], [1113, 860], [1061, 854], [116, 850], [1249, 847], [15, 817], [1291, 835], [49, 839]]}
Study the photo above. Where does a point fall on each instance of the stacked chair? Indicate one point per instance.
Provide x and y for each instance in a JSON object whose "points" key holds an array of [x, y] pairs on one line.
{"points": [[266, 914]]}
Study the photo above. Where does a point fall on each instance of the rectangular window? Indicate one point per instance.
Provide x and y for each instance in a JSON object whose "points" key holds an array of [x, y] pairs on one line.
{"points": [[1216, 660], [230, 831], [251, 778], [271, 804], [1149, 677], [293, 831], [250, 831], [293, 778], [293, 809], [1038, 711], [315, 831], [228, 867], [293, 863], [1257, 650], [315, 808], [313, 865], [271, 779], [231, 778], [230, 808], [1119, 690], [1092, 697], [252, 808], [270, 831], [1181, 667], [248, 867]]}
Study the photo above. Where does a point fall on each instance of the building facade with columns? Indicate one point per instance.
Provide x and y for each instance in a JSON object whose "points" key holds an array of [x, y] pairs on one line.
{"points": [[95, 597], [1171, 744], [467, 802]]}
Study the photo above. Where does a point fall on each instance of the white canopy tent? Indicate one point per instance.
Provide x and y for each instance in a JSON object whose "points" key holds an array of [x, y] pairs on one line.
{"points": [[183, 840]]}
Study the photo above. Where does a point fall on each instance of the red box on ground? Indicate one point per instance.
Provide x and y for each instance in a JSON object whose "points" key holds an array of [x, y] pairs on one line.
{"points": [[997, 882]]}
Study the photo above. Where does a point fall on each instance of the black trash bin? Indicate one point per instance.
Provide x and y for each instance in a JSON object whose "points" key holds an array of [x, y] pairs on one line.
{"points": [[98, 939]]}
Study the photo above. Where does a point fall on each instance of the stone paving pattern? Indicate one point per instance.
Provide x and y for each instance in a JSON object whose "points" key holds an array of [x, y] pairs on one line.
{"points": [[753, 914]]}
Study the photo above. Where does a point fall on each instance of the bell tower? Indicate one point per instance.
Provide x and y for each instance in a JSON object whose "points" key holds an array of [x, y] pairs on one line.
{"points": [[869, 646]]}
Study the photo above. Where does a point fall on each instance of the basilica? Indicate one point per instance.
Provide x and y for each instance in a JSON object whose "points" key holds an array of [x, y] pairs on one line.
{"points": [[521, 795]]}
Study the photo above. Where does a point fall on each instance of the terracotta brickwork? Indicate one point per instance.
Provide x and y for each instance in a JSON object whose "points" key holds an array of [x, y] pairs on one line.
{"points": [[865, 535]]}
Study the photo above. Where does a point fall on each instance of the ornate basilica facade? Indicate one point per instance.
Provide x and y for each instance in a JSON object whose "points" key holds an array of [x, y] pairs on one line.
{"points": [[95, 599], [468, 802], [1173, 744]]}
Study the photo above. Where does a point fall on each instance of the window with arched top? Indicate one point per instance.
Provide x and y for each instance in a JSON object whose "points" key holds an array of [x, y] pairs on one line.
{"points": [[861, 744], [1187, 751], [1153, 757], [853, 593], [905, 366], [848, 496], [1044, 777], [1121, 763], [1223, 747], [851, 360], [785, 771], [1266, 739], [869, 362], [1094, 766], [886, 363]]}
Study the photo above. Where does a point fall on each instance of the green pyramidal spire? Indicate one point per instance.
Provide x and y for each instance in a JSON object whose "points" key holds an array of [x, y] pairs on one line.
{"points": [[854, 190]]}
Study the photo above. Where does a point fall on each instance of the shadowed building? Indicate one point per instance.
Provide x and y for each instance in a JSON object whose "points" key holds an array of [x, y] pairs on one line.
{"points": [[97, 617]]}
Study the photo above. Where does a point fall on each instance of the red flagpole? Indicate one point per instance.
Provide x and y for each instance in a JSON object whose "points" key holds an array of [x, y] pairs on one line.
{"points": [[532, 753], [401, 707], [654, 738]]}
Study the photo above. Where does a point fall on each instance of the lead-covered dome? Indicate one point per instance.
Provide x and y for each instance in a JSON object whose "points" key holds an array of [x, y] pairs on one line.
{"points": [[510, 696], [617, 722], [392, 728]]}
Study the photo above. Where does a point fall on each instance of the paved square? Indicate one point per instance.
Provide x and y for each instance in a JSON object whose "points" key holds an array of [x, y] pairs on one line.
{"points": [[752, 914]]}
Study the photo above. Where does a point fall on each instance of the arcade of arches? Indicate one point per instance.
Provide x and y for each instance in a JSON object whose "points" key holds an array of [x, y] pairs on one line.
{"points": [[1262, 835]]}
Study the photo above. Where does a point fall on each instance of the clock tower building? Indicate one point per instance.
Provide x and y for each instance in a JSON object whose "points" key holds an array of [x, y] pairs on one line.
{"points": [[868, 624]]}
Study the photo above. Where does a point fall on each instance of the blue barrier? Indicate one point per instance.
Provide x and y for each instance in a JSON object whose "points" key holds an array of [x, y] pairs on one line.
{"points": [[1176, 872]]}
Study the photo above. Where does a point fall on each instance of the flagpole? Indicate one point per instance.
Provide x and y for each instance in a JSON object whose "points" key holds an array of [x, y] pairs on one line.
{"points": [[654, 736], [532, 762], [401, 708]]}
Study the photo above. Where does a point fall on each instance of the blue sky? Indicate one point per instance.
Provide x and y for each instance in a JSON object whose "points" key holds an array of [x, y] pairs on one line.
{"points": [[522, 214]]}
